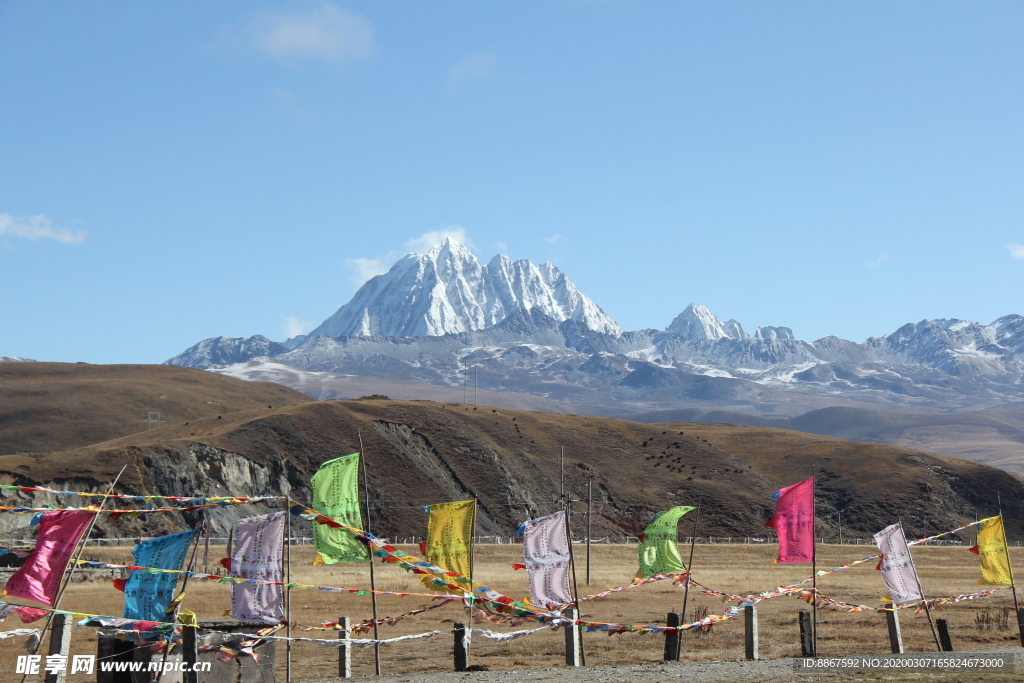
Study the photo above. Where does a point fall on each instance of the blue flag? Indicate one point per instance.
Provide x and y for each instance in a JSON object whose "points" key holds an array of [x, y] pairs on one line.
{"points": [[148, 596]]}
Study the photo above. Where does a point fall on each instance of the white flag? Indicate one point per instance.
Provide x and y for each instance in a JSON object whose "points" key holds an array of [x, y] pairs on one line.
{"points": [[546, 552], [897, 566]]}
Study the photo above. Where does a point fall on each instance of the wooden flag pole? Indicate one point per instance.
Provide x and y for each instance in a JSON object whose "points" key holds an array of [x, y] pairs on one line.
{"points": [[575, 585], [920, 588], [1009, 565], [288, 579], [689, 569], [814, 560], [369, 552], [590, 526]]}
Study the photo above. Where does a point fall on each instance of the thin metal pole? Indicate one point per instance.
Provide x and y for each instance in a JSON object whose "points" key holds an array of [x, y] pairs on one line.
{"points": [[465, 379], [575, 586], [590, 528], [689, 568], [920, 588], [369, 552], [1009, 565], [840, 513], [476, 383], [288, 579], [561, 476]]}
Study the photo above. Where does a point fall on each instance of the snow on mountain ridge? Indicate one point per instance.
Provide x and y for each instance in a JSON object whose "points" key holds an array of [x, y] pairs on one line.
{"points": [[447, 290]]}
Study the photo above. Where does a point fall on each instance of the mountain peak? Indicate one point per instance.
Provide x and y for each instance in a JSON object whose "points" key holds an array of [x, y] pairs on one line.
{"points": [[698, 322], [447, 290]]}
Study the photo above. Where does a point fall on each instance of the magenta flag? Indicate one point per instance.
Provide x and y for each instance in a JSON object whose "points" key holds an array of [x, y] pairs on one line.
{"points": [[794, 522], [39, 578]]}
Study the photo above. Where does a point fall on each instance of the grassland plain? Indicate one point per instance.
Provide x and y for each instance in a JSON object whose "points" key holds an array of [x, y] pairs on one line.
{"points": [[945, 571]]}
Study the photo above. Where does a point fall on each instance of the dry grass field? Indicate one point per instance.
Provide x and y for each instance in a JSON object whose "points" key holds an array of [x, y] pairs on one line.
{"points": [[945, 571]]}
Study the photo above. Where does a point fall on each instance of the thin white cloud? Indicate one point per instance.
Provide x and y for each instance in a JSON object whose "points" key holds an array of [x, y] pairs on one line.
{"points": [[555, 239], [37, 228], [293, 327], [319, 31], [1016, 250], [365, 268], [429, 240], [474, 67], [502, 246], [877, 263]]}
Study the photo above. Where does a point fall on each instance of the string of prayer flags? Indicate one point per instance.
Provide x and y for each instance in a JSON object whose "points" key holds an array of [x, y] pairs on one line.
{"points": [[995, 563], [39, 578], [546, 553], [336, 495], [148, 596], [450, 536], [258, 554], [897, 565], [794, 522], [657, 551]]}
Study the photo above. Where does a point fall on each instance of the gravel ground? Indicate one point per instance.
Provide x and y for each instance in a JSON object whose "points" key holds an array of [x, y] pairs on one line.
{"points": [[783, 670]]}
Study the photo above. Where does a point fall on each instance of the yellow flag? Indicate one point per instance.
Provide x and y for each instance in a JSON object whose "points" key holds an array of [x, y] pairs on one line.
{"points": [[995, 565], [450, 536]]}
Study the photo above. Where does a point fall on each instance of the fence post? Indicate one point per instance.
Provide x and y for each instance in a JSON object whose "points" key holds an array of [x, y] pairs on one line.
{"points": [[461, 646], [572, 638], [1020, 622], [105, 652], [60, 644], [943, 628], [345, 651], [190, 654], [892, 622], [806, 639], [672, 638], [750, 631]]}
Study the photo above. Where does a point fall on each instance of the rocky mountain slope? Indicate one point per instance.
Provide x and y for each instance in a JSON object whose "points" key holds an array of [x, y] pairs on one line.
{"points": [[421, 452]]}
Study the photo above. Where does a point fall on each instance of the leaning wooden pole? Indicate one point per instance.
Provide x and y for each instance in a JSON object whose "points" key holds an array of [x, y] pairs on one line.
{"points": [[575, 585], [689, 570], [814, 561], [288, 580], [369, 552], [1009, 565], [920, 589], [70, 570]]}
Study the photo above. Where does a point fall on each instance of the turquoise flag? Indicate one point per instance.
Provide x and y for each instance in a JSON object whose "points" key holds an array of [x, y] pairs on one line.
{"points": [[147, 597]]}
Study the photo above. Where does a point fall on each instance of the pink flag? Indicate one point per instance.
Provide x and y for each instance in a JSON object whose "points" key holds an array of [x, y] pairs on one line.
{"points": [[897, 566], [39, 578], [794, 522]]}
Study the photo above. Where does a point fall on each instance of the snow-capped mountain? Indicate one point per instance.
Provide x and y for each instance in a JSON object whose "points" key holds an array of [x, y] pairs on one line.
{"points": [[447, 291], [528, 329]]}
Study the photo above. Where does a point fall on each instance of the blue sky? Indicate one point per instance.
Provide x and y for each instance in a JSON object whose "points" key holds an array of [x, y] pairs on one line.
{"points": [[174, 171]]}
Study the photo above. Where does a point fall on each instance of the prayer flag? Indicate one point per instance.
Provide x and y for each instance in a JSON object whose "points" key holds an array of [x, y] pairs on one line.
{"points": [[147, 597], [450, 536], [794, 522], [657, 551], [39, 578], [258, 551], [995, 564], [897, 566], [336, 495], [546, 553]]}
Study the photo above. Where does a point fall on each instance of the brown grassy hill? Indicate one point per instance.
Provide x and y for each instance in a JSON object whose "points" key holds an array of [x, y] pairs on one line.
{"points": [[420, 452], [54, 406]]}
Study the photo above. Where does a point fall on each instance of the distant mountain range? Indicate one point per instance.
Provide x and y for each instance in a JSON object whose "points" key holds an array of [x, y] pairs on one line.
{"points": [[444, 318]]}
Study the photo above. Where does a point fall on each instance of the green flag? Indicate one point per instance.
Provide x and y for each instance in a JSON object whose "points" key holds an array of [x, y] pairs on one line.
{"points": [[657, 551], [336, 494]]}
